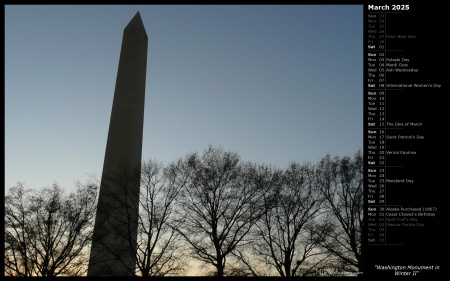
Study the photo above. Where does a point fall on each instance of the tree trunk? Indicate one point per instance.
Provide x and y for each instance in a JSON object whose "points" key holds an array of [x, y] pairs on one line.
{"points": [[220, 266]]}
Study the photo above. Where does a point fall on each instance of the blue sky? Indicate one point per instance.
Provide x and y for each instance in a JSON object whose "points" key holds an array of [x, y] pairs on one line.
{"points": [[274, 83]]}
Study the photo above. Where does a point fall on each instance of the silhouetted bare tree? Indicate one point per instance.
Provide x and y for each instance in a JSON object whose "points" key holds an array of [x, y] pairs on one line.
{"points": [[158, 245], [341, 184], [47, 232], [219, 204], [286, 231], [249, 261]]}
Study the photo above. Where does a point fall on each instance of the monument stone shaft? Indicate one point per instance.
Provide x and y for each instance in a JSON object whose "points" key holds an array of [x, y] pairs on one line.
{"points": [[115, 232]]}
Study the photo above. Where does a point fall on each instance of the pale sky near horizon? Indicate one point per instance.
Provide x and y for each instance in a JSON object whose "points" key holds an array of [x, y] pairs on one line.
{"points": [[273, 83]]}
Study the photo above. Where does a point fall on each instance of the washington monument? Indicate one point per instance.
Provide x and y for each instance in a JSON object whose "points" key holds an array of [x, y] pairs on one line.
{"points": [[114, 240]]}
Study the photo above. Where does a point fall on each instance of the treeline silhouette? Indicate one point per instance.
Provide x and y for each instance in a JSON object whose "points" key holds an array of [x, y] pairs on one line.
{"points": [[236, 218]]}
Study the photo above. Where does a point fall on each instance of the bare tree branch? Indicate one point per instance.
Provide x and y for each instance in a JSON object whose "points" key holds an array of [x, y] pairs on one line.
{"points": [[47, 232], [341, 183]]}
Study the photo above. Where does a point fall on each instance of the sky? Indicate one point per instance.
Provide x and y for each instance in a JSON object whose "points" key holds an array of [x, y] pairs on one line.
{"points": [[275, 84]]}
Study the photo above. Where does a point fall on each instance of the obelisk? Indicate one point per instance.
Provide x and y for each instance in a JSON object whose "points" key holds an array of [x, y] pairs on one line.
{"points": [[113, 251]]}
